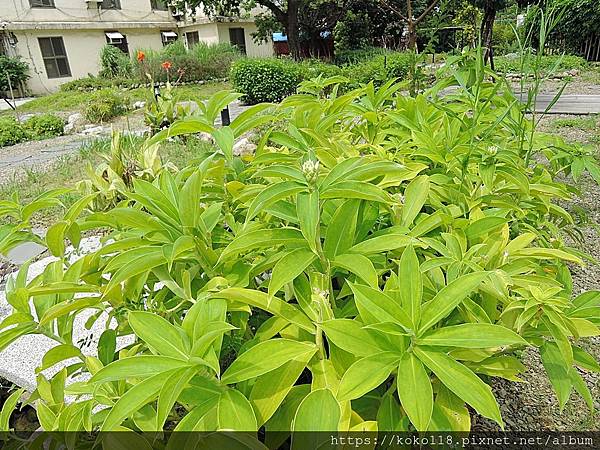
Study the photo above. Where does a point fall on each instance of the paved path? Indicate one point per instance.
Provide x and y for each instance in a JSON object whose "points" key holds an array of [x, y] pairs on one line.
{"points": [[568, 104], [20, 101]]}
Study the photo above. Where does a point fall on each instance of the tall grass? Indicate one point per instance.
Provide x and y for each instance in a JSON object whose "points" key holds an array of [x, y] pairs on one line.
{"points": [[201, 62]]}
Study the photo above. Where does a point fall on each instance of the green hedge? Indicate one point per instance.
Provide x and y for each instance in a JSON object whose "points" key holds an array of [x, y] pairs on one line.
{"points": [[12, 132], [265, 79]]}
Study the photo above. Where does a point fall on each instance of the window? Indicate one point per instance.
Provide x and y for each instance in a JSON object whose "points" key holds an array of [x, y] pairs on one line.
{"points": [[168, 37], [111, 4], [118, 40], [192, 38], [41, 3], [159, 5], [55, 57], [237, 38]]}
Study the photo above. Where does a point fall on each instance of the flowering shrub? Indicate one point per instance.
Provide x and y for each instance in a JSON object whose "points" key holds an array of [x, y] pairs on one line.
{"points": [[370, 267]]}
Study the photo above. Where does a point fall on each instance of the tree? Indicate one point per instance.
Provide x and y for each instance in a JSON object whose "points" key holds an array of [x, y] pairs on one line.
{"points": [[409, 18]]}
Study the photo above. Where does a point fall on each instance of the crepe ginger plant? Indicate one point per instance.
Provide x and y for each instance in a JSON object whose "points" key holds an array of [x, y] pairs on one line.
{"points": [[374, 264]]}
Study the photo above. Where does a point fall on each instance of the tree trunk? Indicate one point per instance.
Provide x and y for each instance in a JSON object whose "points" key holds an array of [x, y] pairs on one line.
{"points": [[292, 29], [412, 35], [487, 28]]}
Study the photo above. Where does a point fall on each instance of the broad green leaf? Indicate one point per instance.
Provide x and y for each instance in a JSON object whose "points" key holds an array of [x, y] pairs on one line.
{"points": [[10, 335], [415, 196], [159, 334], [341, 229], [448, 298], [411, 284], [389, 415], [366, 374], [107, 345], [235, 412], [318, 411], [383, 243], [263, 238], [270, 304], [359, 265], [289, 267], [55, 238], [58, 354], [350, 336], [308, 212], [484, 226], [270, 389], [358, 190], [65, 308], [415, 391], [136, 397], [264, 357], [272, 194], [462, 381], [471, 335], [376, 306], [557, 372], [8, 407], [139, 366], [169, 393]]}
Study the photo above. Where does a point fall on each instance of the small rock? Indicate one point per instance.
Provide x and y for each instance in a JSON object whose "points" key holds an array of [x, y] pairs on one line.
{"points": [[92, 130], [244, 147], [139, 105]]}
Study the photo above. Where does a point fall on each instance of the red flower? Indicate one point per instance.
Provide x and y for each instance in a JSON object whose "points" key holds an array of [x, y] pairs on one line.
{"points": [[141, 56], [166, 65]]}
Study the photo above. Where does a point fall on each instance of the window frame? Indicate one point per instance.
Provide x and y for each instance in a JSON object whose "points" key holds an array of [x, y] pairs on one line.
{"points": [[187, 39], [55, 57], [32, 4], [242, 48]]}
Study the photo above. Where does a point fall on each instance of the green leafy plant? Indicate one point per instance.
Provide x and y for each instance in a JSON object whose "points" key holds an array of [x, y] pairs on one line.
{"points": [[114, 63], [370, 267], [11, 131], [44, 126], [104, 105]]}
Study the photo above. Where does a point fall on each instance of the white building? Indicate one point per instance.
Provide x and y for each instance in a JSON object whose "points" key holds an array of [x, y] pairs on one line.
{"points": [[61, 39]]}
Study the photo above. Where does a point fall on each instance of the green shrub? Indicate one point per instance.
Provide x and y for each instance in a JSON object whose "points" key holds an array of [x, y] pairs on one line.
{"points": [[104, 105], [265, 79], [45, 126], [11, 132], [17, 72], [379, 69], [114, 63]]}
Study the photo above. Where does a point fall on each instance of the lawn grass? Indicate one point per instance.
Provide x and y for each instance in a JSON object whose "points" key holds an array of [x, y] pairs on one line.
{"points": [[68, 170], [75, 101], [587, 123]]}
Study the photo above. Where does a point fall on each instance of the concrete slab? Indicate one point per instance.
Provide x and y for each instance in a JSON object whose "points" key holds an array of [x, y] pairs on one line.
{"points": [[24, 252]]}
